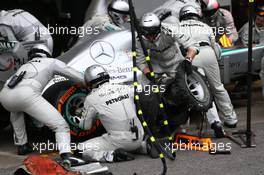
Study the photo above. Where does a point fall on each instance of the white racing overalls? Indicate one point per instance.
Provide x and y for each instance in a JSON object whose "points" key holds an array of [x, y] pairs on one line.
{"points": [[207, 59], [19, 25], [26, 97], [114, 106], [164, 52]]}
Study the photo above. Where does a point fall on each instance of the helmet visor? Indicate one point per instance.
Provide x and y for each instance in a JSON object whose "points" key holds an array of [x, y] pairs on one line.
{"points": [[119, 19], [151, 33], [210, 13]]}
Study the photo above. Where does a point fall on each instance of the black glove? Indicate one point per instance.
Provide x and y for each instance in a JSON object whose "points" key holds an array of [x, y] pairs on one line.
{"points": [[121, 155], [187, 66], [149, 77]]}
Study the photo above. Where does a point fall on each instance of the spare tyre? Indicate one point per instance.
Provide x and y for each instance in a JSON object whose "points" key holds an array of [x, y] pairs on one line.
{"points": [[191, 90]]}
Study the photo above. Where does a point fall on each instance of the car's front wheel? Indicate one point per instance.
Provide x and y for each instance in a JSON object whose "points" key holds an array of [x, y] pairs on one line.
{"points": [[68, 99]]}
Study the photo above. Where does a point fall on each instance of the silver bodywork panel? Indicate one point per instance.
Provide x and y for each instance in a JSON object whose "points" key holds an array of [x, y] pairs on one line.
{"points": [[234, 63], [112, 50]]}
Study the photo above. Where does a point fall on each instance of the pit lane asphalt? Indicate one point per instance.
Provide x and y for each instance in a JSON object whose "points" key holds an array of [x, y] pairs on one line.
{"points": [[242, 161]]}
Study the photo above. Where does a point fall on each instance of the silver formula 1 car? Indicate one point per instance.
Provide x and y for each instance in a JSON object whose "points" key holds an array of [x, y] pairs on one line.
{"points": [[111, 50], [234, 63]]}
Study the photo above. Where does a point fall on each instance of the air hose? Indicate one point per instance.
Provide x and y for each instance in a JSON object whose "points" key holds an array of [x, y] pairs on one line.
{"points": [[135, 28], [152, 74]]}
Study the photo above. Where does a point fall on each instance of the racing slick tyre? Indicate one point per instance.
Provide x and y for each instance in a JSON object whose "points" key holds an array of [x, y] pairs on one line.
{"points": [[4, 119], [191, 90], [68, 98], [53, 93]]}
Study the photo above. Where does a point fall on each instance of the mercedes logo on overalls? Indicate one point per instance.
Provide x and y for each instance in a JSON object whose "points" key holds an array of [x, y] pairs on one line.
{"points": [[102, 52]]}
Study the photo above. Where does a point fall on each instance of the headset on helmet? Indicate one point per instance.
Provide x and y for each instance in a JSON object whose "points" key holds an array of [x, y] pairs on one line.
{"points": [[189, 12], [39, 50], [210, 7], [150, 25], [96, 75], [118, 10]]}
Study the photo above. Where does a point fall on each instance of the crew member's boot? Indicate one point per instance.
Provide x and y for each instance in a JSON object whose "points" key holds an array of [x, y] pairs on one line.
{"points": [[121, 155], [218, 129], [24, 149], [73, 160]]}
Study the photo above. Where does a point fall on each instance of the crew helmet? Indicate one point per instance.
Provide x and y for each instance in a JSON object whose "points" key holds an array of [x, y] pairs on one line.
{"points": [[189, 12], [96, 75], [210, 7], [118, 10], [39, 50], [150, 25]]}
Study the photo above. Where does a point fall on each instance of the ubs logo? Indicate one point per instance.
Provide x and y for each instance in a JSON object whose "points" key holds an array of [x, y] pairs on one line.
{"points": [[102, 52]]}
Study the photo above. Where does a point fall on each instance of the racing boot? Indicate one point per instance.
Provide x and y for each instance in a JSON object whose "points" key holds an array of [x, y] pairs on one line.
{"points": [[151, 150], [24, 149], [71, 159], [230, 125], [231, 120], [121, 155], [148, 148], [218, 129]]}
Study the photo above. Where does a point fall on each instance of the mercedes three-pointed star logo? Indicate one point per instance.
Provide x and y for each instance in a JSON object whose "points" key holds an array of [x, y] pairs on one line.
{"points": [[102, 52]]}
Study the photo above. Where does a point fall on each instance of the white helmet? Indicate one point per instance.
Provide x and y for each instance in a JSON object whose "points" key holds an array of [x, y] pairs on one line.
{"points": [[150, 25], [95, 75], [118, 10], [189, 12], [39, 50]]}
